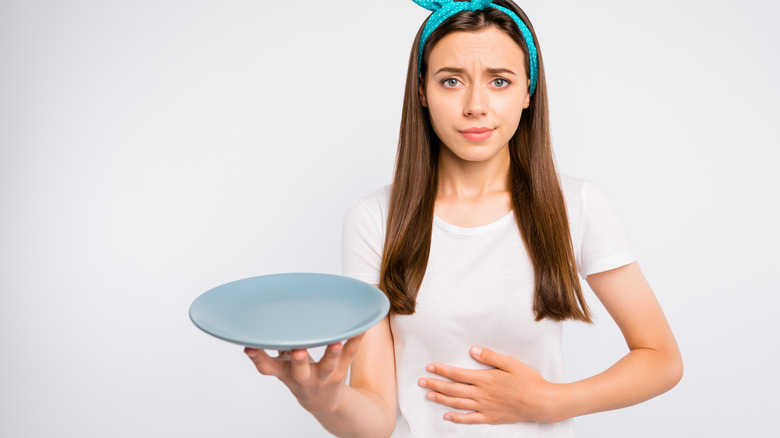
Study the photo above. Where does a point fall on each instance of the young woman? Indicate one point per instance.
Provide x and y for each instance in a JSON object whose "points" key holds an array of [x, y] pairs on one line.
{"points": [[478, 244]]}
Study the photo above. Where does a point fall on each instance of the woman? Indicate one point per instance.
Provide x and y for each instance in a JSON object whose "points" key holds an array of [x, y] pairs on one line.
{"points": [[478, 244]]}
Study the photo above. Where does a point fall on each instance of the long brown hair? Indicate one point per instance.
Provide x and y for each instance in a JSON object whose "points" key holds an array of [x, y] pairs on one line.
{"points": [[537, 198]]}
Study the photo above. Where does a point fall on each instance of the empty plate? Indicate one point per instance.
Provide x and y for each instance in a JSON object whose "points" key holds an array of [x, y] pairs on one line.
{"points": [[289, 311]]}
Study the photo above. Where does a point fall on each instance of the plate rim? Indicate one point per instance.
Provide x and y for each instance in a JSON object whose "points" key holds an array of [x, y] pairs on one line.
{"points": [[385, 308]]}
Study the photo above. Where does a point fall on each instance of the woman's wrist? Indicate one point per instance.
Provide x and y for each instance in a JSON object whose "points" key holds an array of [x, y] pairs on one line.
{"points": [[357, 414], [559, 403], [327, 405]]}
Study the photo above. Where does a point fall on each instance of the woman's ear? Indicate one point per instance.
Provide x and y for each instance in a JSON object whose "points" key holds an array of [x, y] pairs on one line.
{"points": [[421, 91], [527, 101]]}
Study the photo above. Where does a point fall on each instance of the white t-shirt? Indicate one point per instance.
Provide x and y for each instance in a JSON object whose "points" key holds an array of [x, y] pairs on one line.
{"points": [[478, 290]]}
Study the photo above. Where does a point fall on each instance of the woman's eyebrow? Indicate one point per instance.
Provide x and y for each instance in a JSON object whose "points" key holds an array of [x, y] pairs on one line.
{"points": [[492, 71], [496, 71], [450, 70]]}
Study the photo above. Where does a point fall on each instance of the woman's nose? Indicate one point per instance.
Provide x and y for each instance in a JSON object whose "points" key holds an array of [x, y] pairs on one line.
{"points": [[476, 104]]}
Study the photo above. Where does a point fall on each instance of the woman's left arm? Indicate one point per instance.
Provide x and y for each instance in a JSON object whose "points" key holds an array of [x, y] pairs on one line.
{"points": [[513, 391], [653, 364]]}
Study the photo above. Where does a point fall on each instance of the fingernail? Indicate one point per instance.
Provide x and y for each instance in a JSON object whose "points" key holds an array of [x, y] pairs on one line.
{"points": [[250, 353], [448, 417], [431, 368], [422, 383], [476, 351], [430, 396]]}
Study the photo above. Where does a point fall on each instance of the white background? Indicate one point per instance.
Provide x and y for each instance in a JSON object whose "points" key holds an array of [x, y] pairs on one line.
{"points": [[151, 150]]}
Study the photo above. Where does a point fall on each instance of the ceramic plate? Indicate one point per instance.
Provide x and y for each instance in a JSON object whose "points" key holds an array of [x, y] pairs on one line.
{"points": [[289, 311]]}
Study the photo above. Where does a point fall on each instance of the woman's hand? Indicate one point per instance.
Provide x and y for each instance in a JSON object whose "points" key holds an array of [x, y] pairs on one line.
{"points": [[515, 392], [318, 386], [365, 407], [510, 393]]}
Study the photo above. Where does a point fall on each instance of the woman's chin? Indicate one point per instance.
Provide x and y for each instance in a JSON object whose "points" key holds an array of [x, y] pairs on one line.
{"points": [[478, 153]]}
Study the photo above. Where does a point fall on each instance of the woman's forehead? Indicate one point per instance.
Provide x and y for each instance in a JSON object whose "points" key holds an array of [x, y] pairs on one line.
{"points": [[490, 47]]}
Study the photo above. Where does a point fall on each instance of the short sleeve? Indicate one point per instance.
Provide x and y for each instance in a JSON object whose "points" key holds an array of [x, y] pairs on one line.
{"points": [[604, 243], [361, 244]]}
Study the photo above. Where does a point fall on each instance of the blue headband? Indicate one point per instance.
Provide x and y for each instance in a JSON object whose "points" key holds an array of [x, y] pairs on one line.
{"points": [[445, 9]]}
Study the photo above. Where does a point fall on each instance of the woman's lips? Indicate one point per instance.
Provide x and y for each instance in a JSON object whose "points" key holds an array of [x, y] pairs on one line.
{"points": [[477, 134]]}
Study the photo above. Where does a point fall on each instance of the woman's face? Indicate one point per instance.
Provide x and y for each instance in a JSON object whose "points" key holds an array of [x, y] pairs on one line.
{"points": [[476, 90]]}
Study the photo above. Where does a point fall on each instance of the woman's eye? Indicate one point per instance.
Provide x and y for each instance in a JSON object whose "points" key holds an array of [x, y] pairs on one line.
{"points": [[500, 82], [450, 83]]}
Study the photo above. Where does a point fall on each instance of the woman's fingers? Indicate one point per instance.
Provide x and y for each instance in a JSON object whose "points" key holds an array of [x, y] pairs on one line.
{"points": [[317, 385], [298, 364], [455, 373], [300, 369], [338, 357], [351, 347], [465, 404], [453, 394], [264, 363], [330, 360], [468, 418], [452, 389]]}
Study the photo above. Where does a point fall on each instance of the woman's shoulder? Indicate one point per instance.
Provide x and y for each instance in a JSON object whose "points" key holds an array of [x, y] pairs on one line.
{"points": [[372, 206], [376, 201], [378, 196], [581, 194], [573, 189], [599, 239]]}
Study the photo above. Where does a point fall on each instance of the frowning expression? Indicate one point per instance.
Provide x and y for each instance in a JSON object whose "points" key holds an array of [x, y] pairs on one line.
{"points": [[475, 91]]}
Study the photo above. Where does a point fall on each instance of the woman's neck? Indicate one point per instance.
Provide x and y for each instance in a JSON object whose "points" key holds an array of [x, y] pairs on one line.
{"points": [[472, 194], [458, 178]]}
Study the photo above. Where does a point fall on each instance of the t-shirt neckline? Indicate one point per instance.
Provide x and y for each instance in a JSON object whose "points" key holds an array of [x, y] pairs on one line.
{"points": [[470, 231]]}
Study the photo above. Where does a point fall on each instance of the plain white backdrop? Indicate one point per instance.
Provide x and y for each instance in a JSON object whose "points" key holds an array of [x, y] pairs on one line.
{"points": [[152, 150]]}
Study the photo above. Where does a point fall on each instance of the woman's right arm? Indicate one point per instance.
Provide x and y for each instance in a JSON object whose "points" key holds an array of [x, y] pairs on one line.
{"points": [[364, 408]]}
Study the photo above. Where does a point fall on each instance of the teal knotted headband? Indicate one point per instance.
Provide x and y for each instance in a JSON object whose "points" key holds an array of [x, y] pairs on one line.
{"points": [[445, 9]]}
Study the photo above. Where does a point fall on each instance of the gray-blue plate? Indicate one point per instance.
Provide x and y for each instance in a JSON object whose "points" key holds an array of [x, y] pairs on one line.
{"points": [[289, 311]]}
